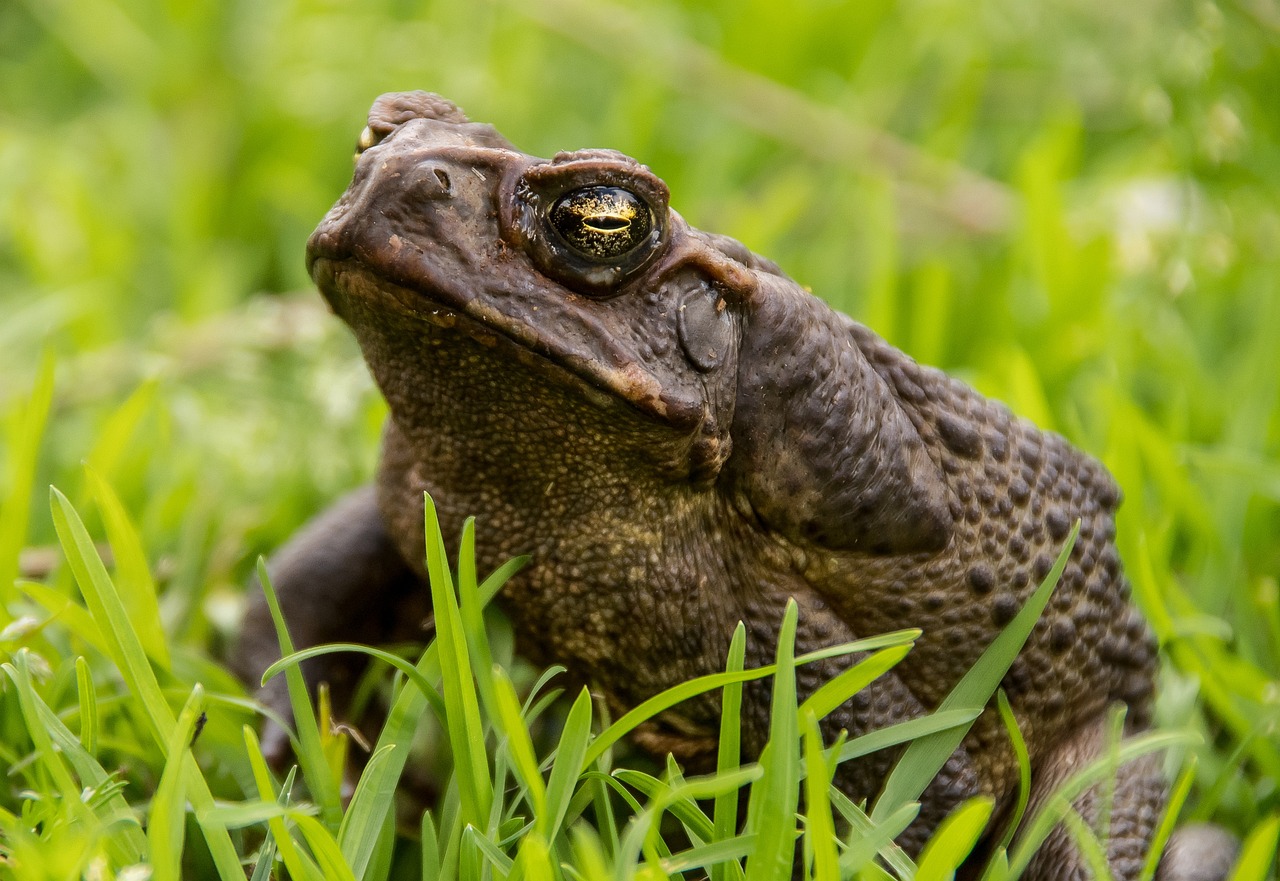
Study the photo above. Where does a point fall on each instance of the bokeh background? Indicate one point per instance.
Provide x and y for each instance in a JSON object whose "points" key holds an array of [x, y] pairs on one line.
{"points": [[1072, 204]]}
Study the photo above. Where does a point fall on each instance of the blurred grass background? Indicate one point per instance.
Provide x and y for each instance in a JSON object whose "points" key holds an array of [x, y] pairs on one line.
{"points": [[1072, 204]]}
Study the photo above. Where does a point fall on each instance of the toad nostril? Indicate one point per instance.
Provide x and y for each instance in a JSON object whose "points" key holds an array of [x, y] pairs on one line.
{"points": [[443, 177]]}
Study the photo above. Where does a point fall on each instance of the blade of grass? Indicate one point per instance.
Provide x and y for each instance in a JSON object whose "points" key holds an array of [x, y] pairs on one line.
{"points": [[678, 795], [820, 830], [256, 811], [533, 861], [365, 811], [951, 843], [693, 687], [772, 806], [836, 691], [133, 574], [1258, 851], [22, 459], [569, 763], [325, 849], [310, 751], [490, 851], [265, 862], [471, 607], [406, 711], [117, 435], [410, 671], [868, 838], [721, 852], [463, 710], [1168, 820], [360, 829], [169, 805], [430, 847], [729, 754], [1087, 844], [901, 732], [524, 761], [88, 701], [925, 756], [127, 653], [47, 758], [115, 809], [295, 860], [71, 614], [1024, 768]]}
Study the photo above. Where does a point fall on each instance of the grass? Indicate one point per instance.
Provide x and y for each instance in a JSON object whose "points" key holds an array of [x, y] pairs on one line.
{"points": [[506, 812], [1069, 204]]}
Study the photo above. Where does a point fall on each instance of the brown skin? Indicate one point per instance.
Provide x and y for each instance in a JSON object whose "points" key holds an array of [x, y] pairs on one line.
{"points": [[682, 438]]}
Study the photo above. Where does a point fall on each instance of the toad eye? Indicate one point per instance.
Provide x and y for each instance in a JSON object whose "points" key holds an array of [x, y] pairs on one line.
{"points": [[602, 223]]}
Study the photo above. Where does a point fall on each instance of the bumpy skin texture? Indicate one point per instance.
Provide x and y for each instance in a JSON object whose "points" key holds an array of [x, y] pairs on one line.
{"points": [[683, 438]]}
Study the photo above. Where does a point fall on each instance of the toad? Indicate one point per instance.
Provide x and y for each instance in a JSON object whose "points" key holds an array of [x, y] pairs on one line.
{"points": [[682, 438]]}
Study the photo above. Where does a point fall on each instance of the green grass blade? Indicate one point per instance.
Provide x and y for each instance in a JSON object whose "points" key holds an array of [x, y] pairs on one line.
{"points": [[680, 796], [115, 810], [867, 644], [133, 574], [533, 861], [462, 705], [901, 732], [1258, 851], [266, 861], [1090, 848], [71, 614], [359, 831], [820, 830], [590, 863], [46, 756], [490, 851], [569, 763], [721, 852], [1168, 820], [310, 750], [325, 849], [365, 811], [410, 671], [471, 607], [922, 760], [772, 807], [430, 848], [729, 754], [1023, 757], [22, 459], [524, 761], [169, 806], [868, 838], [88, 701], [127, 653], [682, 692], [295, 860], [838, 690], [256, 811], [953, 840], [117, 435]]}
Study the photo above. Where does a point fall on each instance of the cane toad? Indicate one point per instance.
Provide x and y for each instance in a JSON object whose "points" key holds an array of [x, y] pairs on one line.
{"points": [[682, 438]]}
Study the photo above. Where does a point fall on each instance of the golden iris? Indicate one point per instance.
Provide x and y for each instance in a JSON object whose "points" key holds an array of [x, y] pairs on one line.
{"points": [[602, 223]]}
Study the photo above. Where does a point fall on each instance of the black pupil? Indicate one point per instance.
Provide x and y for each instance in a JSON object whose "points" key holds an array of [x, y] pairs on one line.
{"points": [[602, 222]]}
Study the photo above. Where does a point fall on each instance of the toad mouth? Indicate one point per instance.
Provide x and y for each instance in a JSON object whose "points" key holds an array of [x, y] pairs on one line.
{"points": [[599, 384]]}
